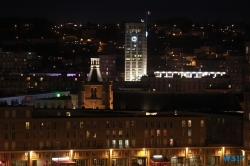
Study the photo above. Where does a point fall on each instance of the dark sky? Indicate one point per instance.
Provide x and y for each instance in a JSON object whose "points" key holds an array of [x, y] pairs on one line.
{"points": [[102, 11]]}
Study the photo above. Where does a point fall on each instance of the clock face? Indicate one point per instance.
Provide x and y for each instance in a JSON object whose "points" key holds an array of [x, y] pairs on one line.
{"points": [[134, 38]]}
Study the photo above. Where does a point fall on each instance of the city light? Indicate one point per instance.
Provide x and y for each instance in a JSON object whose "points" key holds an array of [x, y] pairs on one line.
{"points": [[157, 156]]}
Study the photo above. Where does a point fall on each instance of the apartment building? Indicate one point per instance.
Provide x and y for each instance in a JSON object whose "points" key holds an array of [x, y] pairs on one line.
{"points": [[189, 82], [38, 136], [14, 83]]}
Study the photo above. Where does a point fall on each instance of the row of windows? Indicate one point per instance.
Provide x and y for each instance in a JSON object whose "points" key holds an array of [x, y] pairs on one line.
{"points": [[128, 52], [109, 124], [133, 49], [133, 56], [93, 134], [128, 36], [120, 143], [14, 113]]}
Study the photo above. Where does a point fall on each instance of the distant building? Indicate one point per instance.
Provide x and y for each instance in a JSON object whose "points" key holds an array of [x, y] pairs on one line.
{"points": [[108, 67], [15, 83], [31, 55], [135, 51], [88, 34], [58, 102], [29, 98], [234, 68], [189, 82], [13, 62]]}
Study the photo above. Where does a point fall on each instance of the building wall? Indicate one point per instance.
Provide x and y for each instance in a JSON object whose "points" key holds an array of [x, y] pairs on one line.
{"points": [[96, 95], [21, 82], [189, 85], [246, 136], [235, 70], [93, 96], [53, 103], [28, 99], [29, 137]]}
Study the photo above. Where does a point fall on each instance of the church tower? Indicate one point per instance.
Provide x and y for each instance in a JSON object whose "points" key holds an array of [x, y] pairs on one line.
{"points": [[95, 93]]}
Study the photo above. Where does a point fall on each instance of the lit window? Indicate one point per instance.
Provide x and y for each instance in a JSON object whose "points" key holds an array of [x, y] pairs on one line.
{"points": [[87, 134], [114, 133], [158, 132], [67, 113], [171, 142], [120, 133], [27, 125], [120, 143], [189, 123], [164, 133], [152, 133], [126, 143], [202, 123], [189, 132], [81, 124], [113, 143]]}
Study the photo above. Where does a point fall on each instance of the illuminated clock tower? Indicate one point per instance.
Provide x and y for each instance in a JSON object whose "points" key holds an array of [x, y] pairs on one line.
{"points": [[135, 51]]}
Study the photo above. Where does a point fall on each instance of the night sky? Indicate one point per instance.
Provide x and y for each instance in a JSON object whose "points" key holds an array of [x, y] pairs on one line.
{"points": [[111, 11]]}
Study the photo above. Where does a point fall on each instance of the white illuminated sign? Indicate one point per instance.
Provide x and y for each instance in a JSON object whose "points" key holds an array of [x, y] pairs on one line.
{"points": [[157, 156], [60, 159]]}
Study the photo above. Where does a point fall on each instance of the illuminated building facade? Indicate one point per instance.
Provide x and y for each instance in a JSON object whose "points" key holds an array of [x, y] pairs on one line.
{"points": [[135, 51], [95, 93], [189, 82], [36, 137]]}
